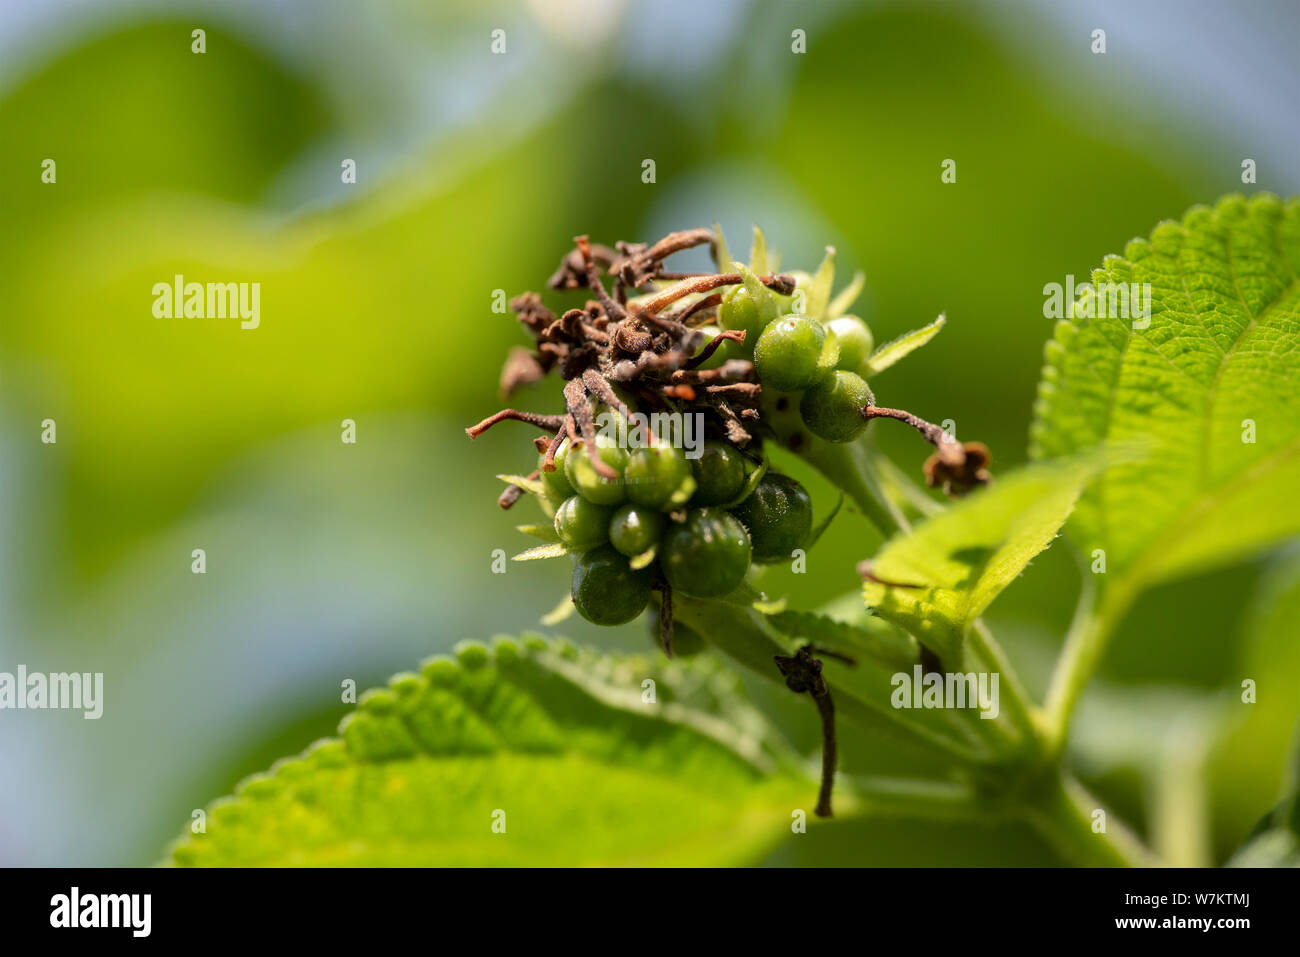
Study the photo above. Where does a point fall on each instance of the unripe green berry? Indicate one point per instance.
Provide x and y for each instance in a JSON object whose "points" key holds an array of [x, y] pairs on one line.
{"points": [[607, 590], [739, 311], [582, 524], [707, 555], [832, 409], [633, 529], [719, 473], [778, 515], [654, 473], [794, 352], [555, 485], [589, 483], [855, 341]]}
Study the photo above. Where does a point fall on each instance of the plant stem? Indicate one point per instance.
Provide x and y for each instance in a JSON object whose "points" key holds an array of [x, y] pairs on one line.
{"points": [[1085, 642], [908, 797], [1179, 820], [1018, 703], [848, 466], [1064, 816], [737, 631]]}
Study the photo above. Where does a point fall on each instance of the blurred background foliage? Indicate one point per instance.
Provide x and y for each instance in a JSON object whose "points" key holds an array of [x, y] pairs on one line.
{"points": [[329, 561]]}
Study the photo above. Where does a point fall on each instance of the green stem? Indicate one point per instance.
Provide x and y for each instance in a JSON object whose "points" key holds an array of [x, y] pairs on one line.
{"points": [[855, 469], [1180, 820], [1018, 703], [738, 631], [907, 797], [848, 466], [1085, 643], [1065, 816], [1064, 811]]}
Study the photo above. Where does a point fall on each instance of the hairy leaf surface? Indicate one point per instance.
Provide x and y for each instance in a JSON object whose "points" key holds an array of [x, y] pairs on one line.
{"points": [[1208, 390], [949, 569], [555, 746]]}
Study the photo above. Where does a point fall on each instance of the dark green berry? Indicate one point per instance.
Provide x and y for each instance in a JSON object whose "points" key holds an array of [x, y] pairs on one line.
{"points": [[855, 342], [555, 485], [589, 483], [778, 515], [794, 352], [582, 524], [719, 473], [707, 555], [654, 474], [607, 590], [633, 529], [832, 409]]}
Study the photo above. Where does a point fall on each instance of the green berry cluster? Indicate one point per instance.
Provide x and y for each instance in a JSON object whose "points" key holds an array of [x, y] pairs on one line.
{"points": [[825, 362], [694, 524]]}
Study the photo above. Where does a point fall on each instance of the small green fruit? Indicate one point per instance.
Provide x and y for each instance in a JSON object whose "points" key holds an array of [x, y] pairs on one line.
{"points": [[832, 409], [855, 341], [707, 555], [794, 352], [607, 590], [654, 473], [739, 311], [582, 524], [719, 473], [555, 485], [633, 529], [778, 515], [589, 483]]}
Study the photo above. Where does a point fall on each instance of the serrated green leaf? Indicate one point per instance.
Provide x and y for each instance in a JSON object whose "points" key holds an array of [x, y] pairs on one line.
{"points": [[909, 342], [846, 297], [560, 741], [1219, 358], [959, 560], [819, 291], [551, 550]]}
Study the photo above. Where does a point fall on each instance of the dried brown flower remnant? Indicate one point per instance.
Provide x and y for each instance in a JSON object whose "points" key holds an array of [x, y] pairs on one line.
{"points": [[959, 474], [614, 343], [955, 466]]}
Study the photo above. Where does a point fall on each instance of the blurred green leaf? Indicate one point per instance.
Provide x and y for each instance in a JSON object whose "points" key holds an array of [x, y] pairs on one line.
{"points": [[560, 741], [943, 574], [1210, 389], [1248, 763], [1275, 841]]}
